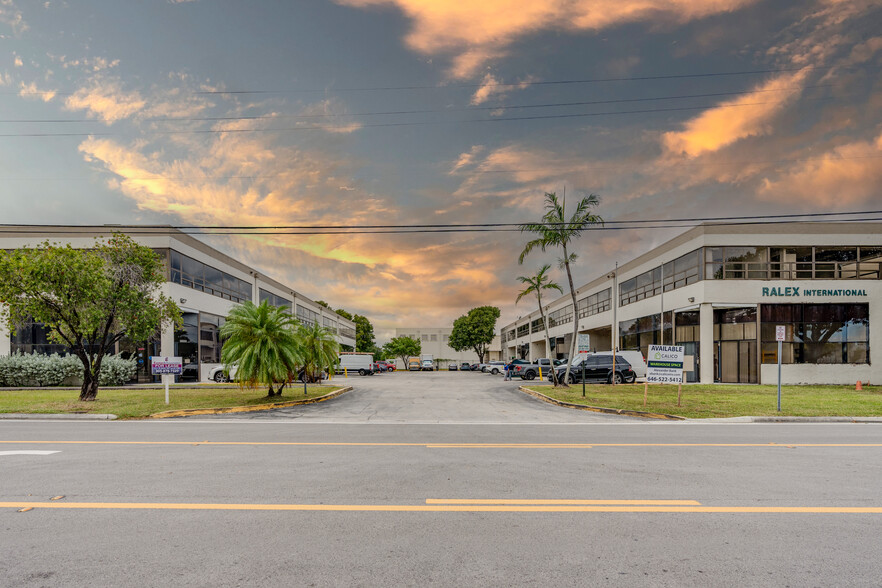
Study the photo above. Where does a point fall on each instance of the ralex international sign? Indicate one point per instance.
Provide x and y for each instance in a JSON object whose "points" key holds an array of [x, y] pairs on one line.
{"points": [[664, 364]]}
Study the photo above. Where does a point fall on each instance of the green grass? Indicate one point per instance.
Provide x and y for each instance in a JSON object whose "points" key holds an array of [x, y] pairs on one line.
{"points": [[707, 401], [142, 402]]}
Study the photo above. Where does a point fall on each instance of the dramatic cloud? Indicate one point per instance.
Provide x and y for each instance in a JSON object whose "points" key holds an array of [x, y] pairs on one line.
{"points": [[106, 100], [474, 33], [735, 119], [845, 176], [494, 88]]}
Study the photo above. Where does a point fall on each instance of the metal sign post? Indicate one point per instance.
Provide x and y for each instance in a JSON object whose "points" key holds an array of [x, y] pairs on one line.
{"points": [[780, 333], [583, 349], [165, 367]]}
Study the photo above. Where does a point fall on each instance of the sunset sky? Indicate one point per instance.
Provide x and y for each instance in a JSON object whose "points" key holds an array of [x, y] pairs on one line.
{"points": [[210, 112]]}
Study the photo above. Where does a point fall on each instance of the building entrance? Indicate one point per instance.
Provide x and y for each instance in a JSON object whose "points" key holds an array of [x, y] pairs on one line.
{"points": [[735, 345]]}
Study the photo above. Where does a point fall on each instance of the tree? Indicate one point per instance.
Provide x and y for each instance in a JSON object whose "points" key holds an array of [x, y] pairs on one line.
{"points": [[555, 230], [344, 314], [535, 285], [364, 334], [475, 330], [319, 350], [262, 343], [404, 348], [88, 299]]}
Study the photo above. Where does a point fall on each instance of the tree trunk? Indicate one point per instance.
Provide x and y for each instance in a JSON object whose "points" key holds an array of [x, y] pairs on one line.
{"points": [[545, 325], [89, 391], [271, 392], [575, 315]]}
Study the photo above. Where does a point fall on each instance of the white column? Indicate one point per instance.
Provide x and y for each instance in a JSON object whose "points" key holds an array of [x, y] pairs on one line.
{"points": [[706, 343], [5, 341], [167, 341]]}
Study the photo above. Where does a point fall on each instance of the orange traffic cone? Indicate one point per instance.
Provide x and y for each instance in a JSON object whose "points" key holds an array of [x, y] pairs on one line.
{"points": [[858, 387]]}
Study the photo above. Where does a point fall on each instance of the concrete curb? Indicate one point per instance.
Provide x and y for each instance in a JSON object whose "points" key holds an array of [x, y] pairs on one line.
{"points": [[620, 411], [57, 416], [791, 419], [231, 409]]}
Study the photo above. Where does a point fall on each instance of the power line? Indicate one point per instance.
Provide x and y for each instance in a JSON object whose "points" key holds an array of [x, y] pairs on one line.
{"points": [[421, 111]]}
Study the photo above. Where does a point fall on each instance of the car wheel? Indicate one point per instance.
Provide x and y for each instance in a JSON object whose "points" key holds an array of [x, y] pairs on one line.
{"points": [[631, 380], [572, 379], [617, 377], [220, 377], [529, 376], [495, 371], [361, 372]]}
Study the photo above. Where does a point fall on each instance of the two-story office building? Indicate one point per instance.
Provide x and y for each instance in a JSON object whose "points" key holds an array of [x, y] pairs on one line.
{"points": [[720, 291], [204, 283]]}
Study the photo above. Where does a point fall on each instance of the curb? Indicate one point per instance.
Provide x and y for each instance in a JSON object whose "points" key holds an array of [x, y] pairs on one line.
{"points": [[620, 411], [21, 416], [795, 419], [257, 407]]}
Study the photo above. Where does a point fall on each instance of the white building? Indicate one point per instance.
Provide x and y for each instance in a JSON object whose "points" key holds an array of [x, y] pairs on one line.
{"points": [[204, 283], [435, 340], [720, 291]]}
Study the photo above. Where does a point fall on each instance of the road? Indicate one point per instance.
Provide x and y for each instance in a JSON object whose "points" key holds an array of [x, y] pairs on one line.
{"points": [[481, 497]]}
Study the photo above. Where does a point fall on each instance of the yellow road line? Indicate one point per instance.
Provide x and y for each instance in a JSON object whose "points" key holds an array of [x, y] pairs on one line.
{"points": [[449, 508], [527, 501], [442, 445]]}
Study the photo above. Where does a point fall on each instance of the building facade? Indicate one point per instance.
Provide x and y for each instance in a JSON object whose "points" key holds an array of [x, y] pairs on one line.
{"points": [[720, 291], [435, 340], [205, 283]]}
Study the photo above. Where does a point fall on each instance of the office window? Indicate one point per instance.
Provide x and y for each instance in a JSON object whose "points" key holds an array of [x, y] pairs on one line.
{"points": [[273, 299], [817, 333], [191, 273]]}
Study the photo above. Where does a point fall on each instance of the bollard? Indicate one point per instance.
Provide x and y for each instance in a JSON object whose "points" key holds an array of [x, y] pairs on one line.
{"points": [[345, 373], [540, 372], [858, 387]]}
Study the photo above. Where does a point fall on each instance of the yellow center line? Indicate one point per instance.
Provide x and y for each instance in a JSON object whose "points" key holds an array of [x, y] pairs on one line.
{"points": [[546, 502], [449, 508], [441, 445]]}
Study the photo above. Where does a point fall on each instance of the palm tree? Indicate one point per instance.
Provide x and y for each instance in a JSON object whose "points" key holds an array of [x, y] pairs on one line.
{"points": [[555, 230], [535, 284], [263, 344], [319, 350]]}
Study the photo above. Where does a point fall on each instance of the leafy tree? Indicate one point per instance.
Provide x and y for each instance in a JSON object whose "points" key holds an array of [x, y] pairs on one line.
{"points": [[364, 334], [344, 314], [262, 342], [323, 303], [556, 230], [535, 285], [319, 349], [475, 330], [88, 299], [403, 348]]}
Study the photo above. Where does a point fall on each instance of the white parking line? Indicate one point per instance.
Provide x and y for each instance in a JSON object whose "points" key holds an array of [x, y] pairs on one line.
{"points": [[28, 452]]}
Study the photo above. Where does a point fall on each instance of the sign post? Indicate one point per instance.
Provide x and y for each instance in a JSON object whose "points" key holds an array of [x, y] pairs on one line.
{"points": [[165, 367], [664, 365], [583, 349], [780, 333]]}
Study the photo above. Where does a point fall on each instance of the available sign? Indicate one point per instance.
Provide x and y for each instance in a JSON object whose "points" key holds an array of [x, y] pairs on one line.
{"points": [[664, 364], [166, 365], [584, 344]]}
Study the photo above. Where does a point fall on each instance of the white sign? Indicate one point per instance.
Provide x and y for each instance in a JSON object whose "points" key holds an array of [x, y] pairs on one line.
{"points": [[166, 365], [664, 364], [780, 333], [583, 344]]}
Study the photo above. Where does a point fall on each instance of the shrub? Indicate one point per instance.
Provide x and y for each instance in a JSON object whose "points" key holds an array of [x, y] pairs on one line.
{"points": [[21, 370]]}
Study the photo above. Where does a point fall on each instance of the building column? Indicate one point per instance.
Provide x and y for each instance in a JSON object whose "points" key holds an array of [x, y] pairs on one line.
{"points": [[167, 341], [706, 343], [5, 341]]}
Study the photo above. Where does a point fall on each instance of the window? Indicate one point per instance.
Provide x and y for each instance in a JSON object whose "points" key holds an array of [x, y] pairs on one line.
{"points": [[536, 326], [33, 337], [561, 316], [817, 333], [210, 343], [433, 337], [680, 272], [596, 303], [524, 330], [792, 263], [273, 299], [306, 316], [329, 324], [425, 338], [639, 334], [195, 274]]}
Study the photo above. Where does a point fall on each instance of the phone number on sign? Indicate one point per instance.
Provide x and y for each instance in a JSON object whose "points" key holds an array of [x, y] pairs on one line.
{"points": [[664, 379]]}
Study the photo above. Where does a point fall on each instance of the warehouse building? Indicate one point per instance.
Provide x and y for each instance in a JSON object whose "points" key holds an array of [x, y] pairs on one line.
{"points": [[720, 291], [434, 340], [205, 283]]}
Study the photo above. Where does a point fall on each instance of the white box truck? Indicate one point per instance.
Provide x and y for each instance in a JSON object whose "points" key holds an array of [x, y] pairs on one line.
{"points": [[360, 363], [427, 362]]}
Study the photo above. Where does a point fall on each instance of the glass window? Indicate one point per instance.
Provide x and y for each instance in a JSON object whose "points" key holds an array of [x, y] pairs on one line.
{"points": [[818, 333]]}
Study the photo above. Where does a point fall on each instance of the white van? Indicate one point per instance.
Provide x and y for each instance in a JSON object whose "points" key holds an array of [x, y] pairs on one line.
{"points": [[356, 362], [635, 358]]}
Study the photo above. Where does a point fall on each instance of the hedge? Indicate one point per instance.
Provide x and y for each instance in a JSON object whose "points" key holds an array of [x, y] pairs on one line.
{"points": [[22, 370]]}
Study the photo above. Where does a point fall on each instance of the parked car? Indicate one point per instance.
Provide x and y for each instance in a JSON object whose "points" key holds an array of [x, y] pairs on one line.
{"points": [[635, 358], [390, 366], [598, 368], [217, 374], [482, 367], [452, 367], [495, 367], [529, 371], [474, 367], [465, 366]]}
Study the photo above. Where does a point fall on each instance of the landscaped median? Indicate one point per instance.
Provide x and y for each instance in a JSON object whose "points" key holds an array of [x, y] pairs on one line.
{"points": [[721, 400], [140, 402]]}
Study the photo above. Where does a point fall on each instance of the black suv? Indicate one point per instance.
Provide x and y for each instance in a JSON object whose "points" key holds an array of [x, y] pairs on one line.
{"points": [[598, 368]]}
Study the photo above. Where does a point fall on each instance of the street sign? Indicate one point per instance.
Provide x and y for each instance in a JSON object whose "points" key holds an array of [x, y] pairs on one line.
{"points": [[664, 364], [583, 344], [780, 333], [166, 365]]}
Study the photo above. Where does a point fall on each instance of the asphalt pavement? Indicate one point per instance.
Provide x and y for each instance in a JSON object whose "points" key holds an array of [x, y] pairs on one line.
{"points": [[517, 493]]}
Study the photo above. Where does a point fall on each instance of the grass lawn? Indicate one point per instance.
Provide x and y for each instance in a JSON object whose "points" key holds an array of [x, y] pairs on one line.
{"points": [[706, 401], [142, 402]]}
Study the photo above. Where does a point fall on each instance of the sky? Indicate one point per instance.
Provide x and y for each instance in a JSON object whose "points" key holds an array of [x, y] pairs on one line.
{"points": [[400, 112]]}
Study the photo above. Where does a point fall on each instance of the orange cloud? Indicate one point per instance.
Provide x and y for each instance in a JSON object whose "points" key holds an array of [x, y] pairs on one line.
{"points": [[735, 119], [476, 32], [848, 174]]}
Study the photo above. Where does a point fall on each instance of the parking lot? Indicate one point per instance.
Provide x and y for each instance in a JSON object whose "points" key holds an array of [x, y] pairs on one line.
{"points": [[431, 397]]}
